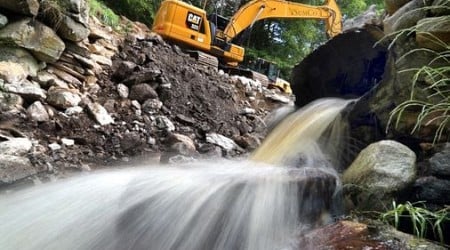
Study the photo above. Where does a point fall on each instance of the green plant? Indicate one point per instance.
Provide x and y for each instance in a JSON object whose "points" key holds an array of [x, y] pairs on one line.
{"points": [[135, 10], [101, 11], [421, 218], [434, 108]]}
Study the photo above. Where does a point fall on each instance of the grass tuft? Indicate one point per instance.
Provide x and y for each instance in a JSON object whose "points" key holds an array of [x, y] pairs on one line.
{"points": [[421, 218]]}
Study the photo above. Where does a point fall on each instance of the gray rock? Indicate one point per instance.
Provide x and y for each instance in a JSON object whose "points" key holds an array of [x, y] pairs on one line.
{"points": [[101, 60], [65, 76], [434, 33], [15, 146], [14, 168], [142, 92], [16, 64], [247, 111], [30, 91], [136, 105], [222, 141], [3, 21], [67, 142], [432, 190], [24, 33], [181, 144], [63, 98], [25, 7], [248, 141], [70, 26], [123, 90], [162, 122], [123, 70], [97, 33], [37, 112], [152, 106], [98, 49], [368, 17], [177, 159], [78, 10], [100, 114], [12, 72], [54, 146], [73, 110], [440, 162], [381, 170], [277, 97], [406, 17], [47, 80], [143, 77], [10, 102], [130, 141]]}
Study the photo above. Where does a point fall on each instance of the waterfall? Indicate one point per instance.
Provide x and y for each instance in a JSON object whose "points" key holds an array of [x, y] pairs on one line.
{"points": [[286, 187]]}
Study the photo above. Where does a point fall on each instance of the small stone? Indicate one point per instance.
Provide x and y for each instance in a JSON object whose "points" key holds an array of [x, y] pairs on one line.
{"points": [[67, 142], [37, 112], [100, 114], [123, 90], [54, 146], [73, 110]]}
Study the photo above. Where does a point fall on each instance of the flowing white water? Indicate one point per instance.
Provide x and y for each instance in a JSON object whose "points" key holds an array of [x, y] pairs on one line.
{"points": [[204, 205]]}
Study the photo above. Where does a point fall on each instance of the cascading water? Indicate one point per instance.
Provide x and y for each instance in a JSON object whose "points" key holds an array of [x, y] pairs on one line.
{"points": [[254, 204]]}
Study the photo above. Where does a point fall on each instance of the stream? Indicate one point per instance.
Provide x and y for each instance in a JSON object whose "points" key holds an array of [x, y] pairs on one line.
{"points": [[287, 187]]}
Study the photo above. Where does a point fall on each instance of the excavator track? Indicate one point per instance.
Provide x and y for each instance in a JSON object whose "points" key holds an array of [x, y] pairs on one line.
{"points": [[204, 58]]}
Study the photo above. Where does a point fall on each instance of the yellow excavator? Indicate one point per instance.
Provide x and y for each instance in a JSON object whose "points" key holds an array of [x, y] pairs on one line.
{"points": [[192, 28]]}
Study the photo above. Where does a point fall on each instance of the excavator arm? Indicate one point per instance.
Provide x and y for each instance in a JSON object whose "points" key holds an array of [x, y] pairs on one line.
{"points": [[256, 10]]}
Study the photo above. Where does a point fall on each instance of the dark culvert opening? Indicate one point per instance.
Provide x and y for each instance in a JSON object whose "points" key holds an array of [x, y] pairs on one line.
{"points": [[347, 66]]}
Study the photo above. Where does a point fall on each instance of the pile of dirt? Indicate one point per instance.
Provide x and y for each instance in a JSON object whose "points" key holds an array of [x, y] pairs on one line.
{"points": [[165, 107]]}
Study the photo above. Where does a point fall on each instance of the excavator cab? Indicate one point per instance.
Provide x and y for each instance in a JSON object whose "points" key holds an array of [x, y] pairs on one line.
{"points": [[263, 66], [267, 73]]}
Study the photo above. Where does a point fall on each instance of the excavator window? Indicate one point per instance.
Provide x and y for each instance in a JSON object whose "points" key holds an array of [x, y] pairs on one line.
{"points": [[262, 66], [220, 21]]}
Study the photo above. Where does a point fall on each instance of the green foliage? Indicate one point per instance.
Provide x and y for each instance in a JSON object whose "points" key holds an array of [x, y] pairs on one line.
{"points": [[421, 218], [136, 10], [103, 13], [287, 42]]}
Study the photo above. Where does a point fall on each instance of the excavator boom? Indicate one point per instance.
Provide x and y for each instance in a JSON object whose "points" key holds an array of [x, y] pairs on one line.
{"points": [[256, 10]]}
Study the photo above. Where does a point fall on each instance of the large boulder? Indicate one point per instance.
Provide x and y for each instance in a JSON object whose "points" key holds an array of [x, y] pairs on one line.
{"points": [[24, 7], [30, 34], [379, 173]]}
